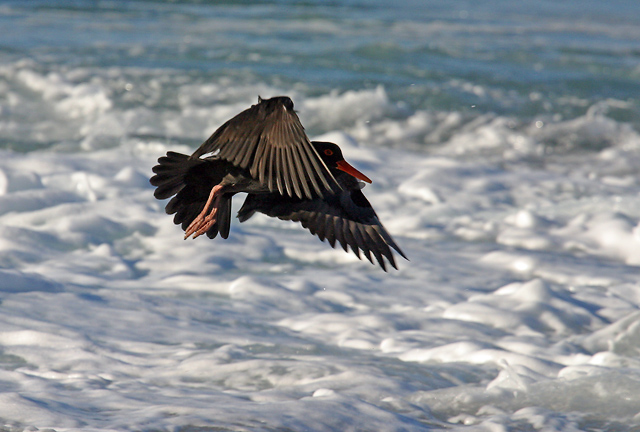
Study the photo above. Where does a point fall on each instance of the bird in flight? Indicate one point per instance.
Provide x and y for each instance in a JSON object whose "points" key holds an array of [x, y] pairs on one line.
{"points": [[264, 152]]}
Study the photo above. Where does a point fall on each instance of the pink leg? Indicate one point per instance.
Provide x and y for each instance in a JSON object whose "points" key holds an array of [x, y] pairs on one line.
{"points": [[203, 222]]}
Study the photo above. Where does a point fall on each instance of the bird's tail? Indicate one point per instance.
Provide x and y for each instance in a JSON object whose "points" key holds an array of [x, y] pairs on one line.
{"points": [[191, 181], [170, 174]]}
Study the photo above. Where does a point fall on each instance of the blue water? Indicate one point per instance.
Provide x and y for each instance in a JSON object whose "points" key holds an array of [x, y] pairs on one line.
{"points": [[524, 59]]}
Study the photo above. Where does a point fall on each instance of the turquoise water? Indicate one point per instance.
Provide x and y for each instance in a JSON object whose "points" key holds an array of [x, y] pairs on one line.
{"points": [[525, 60]]}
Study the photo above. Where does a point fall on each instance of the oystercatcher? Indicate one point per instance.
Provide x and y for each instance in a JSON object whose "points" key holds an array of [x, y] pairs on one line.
{"points": [[265, 152]]}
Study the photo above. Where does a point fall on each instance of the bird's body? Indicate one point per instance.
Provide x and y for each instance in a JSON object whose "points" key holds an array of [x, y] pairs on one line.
{"points": [[265, 153]]}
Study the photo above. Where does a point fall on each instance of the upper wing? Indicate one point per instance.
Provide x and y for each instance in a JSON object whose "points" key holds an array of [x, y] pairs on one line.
{"points": [[346, 217], [269, 140]]}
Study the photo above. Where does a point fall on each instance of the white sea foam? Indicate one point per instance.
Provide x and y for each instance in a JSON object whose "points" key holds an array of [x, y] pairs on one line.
{"points": [[517, 309]]}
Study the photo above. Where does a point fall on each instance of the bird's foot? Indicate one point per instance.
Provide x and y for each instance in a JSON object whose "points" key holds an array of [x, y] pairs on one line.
{"points": [[204, 221], [201, 224]]}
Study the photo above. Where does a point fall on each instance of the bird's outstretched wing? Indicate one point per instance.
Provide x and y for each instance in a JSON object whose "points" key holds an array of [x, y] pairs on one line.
{"points": [[269, 141], [345, 217]]}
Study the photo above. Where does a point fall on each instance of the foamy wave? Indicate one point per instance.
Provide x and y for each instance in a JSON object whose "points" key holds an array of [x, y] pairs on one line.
{"points": [[92, 109], [338, 110]]}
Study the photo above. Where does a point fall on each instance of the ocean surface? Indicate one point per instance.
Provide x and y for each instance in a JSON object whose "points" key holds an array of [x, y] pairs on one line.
{"points": [[503, 141]]}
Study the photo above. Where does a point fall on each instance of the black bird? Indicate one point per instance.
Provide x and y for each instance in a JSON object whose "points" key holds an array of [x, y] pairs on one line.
{"points": [[265, 152]]}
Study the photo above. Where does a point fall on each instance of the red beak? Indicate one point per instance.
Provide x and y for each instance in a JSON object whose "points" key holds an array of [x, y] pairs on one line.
{"points": [[344, 166]]}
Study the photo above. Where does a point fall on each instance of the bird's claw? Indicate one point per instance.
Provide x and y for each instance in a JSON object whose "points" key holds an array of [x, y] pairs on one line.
{"points": [[201, 224], [204, 221]]}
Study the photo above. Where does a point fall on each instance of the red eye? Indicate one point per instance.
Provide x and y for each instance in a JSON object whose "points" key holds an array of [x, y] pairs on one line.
{"points": [[328, 152]]}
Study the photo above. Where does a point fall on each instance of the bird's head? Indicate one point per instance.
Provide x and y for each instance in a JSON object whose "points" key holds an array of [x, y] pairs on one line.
{"points": [[332, 157]]}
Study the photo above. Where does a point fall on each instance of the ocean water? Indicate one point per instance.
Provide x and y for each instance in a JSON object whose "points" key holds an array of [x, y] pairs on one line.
{"points": [[503, 141]]}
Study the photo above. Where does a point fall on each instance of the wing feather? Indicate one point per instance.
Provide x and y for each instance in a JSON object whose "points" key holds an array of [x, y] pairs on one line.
{"points": [[293, 187], [302, 169]]}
